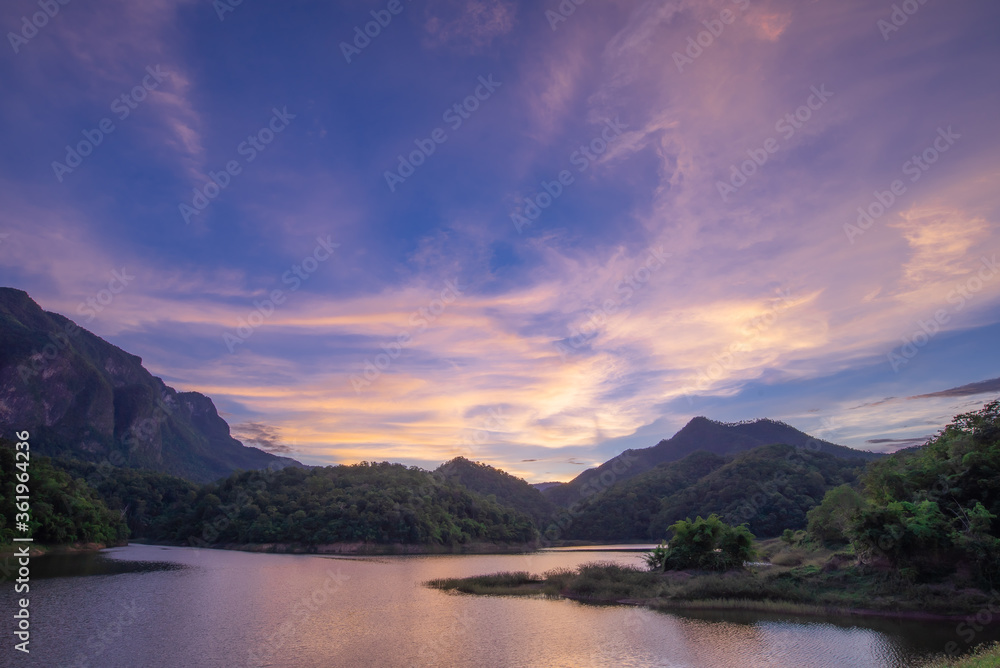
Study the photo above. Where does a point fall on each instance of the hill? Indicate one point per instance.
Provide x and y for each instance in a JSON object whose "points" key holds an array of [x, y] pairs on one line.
{"points": [[508, 490], [700, 434], [771, 488], [79, 396], [363, 503]]}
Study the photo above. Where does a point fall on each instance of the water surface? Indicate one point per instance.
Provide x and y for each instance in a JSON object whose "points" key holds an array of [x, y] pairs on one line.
{"points": [[151, 606]]}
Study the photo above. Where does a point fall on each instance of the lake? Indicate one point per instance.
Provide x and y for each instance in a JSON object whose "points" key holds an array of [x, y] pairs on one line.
{"points": [[151, 606]]}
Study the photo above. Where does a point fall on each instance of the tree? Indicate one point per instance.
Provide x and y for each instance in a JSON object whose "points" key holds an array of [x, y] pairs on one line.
{"points": [[708, 544], [829, 521]]}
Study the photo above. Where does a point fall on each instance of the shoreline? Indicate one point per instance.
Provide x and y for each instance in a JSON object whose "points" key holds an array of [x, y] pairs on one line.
{"points": [[41, 549], [782, 592], [361, 549], [779, 608]]}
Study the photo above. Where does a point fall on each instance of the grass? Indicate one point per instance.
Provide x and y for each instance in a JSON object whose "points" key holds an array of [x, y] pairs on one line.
{"points": [[518, 583], [821, 581], [987, 656]]}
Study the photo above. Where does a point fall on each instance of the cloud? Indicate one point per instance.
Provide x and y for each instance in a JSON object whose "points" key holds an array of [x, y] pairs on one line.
{"points": [[260, 435], [769, 25], [468, 25], [900, 442], [982, 387]]}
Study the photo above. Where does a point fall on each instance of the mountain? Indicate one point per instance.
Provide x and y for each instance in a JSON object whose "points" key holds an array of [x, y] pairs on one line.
{"points": [[770, 487], [79, 396], [700, 434], [507, 489], [542, 486]]}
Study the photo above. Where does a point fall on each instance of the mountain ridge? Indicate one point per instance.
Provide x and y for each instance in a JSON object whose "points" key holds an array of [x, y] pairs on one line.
{"points": [[81, 396], [699, 434]]}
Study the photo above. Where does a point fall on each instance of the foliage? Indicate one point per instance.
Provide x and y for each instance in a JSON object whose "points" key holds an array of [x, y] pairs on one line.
{"points": [[707, 544], [933, 508], [147, 499], [374, 503], [770, 488], [624, 511], [62, 510], [503, 487], [657, 557], [496, 584], [829, 521], [986, 656]]}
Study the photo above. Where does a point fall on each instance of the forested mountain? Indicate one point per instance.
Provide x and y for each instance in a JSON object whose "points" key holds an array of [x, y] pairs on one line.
{"points": [[377, 503], [699, 435], [508, 490], [382, 503], [771, 488], [82, 397]]}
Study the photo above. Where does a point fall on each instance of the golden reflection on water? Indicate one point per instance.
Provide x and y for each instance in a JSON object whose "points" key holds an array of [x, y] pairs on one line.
{"points": [[238, 609]]}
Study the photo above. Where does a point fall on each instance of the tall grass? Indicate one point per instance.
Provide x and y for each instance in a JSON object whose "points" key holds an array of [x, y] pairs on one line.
{"points": [[497, 584], [987, 656]]}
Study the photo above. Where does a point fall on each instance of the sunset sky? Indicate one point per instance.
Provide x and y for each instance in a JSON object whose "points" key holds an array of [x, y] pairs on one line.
{"points": [[696, 249]]}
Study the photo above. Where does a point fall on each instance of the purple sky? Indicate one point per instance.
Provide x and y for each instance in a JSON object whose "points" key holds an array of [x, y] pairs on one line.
{"points": [[496, 233]]}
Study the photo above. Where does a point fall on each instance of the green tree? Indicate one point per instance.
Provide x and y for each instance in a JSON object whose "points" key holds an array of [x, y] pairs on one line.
{"points": [[708, 544], [829, 521]]}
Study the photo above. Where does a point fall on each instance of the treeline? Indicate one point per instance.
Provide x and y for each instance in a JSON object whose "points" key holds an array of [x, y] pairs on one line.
{"points": [[60, 509], [500, 486], [927, 511], [374, 503]]}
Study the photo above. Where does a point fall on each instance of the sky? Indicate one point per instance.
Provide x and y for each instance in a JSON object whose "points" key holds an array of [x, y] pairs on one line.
{"points": [[533, 234]]}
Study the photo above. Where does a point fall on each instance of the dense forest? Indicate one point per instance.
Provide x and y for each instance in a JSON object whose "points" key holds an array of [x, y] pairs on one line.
{"points": [[373, 503], [62, 509], [926, 511], [377, 503], [771, 488], [148, 500], [506, 489]]}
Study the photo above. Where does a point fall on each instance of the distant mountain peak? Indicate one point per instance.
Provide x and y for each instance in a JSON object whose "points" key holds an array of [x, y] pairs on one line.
{"points": [[700, 434]]}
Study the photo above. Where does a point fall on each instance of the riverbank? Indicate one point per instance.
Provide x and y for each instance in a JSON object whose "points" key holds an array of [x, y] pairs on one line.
{"points": [[985, 657], [841, 590], [38, 549], [365, 549]]}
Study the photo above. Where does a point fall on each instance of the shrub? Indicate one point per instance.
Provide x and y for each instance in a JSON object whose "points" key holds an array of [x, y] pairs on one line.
{"points": [[708, 544]]}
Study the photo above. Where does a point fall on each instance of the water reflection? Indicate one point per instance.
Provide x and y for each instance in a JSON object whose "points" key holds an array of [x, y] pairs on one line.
{"points": [[212, 608]]}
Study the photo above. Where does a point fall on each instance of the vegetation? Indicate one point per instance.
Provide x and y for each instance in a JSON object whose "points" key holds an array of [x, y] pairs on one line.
{"points": [[771, 488], [374, 503], [371, 503], [987, 656], [62, 510], [510, 583], [822, 582], [830, 520], [920, 534], [499, 486], [699, 435], [147, 499], [927, 512], [705, 544]]}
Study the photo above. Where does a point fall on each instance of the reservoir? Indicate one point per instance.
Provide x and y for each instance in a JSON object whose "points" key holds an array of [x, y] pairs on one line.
{"points": [[154, 606]]}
